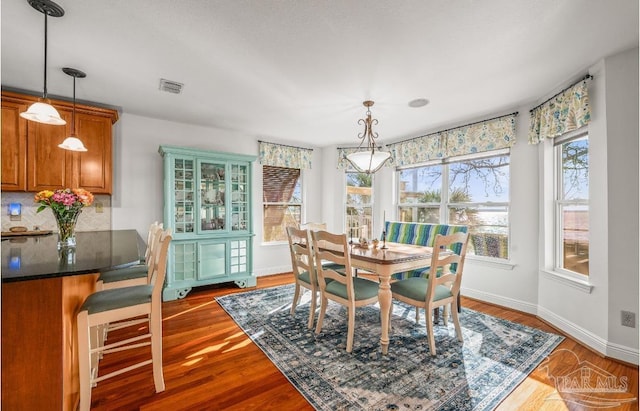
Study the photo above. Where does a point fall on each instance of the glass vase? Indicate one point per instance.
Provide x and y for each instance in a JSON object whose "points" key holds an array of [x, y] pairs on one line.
{"points": [[67, 228]]}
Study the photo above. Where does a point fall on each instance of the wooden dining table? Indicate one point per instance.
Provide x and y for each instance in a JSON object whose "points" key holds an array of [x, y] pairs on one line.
{"points": [[384, 262]]}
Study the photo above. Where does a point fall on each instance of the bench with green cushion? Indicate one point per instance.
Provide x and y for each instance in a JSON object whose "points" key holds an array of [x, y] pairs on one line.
{"points": [[418, 234]]}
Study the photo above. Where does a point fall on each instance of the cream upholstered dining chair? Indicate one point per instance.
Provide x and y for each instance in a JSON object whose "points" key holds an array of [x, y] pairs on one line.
{"points": [[134, 275], [304, 270], [441, 288], [340, 287], [120, 304]]}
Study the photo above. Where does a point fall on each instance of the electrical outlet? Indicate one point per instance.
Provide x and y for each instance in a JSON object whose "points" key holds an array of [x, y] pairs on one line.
{"points": [[99, 207], [628, 319]]}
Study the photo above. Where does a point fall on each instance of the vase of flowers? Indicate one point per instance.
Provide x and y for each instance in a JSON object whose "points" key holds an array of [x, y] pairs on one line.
{"points": [[66, 205]]}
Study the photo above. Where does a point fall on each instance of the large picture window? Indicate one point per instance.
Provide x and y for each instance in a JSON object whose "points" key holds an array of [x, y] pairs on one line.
{"points": [[572, 203], [470, 190], [359, 205], [281, 201]]}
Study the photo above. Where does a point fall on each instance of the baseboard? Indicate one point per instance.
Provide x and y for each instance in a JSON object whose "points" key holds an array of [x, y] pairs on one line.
{"points": [[499, 300], [584, 337], [272, 270]]}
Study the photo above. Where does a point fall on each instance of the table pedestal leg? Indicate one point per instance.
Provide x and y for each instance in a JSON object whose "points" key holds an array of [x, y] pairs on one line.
{"points": [[384, 297]]}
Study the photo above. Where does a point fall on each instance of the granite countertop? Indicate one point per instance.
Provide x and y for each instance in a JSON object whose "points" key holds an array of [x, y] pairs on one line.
{"points": [[33, 258]]}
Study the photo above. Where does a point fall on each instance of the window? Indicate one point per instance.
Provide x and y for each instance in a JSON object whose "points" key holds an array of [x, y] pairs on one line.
{"points": [[572, 203], [470, 190], [359, 202], [281, 201]]}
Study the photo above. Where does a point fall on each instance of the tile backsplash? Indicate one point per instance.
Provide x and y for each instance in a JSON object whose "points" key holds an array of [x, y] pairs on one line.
{"points": [[89, 219]]}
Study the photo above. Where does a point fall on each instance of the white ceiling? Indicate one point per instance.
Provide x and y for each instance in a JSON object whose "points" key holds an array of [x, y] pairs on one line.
{"points": [[298, 70]]}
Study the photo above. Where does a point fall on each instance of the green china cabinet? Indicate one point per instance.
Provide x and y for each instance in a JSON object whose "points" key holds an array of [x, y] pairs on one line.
{"points": [[207, 205]]}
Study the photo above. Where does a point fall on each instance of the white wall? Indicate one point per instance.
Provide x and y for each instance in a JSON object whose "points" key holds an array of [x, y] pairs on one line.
{"points": [[593, 315], [138, 191]]}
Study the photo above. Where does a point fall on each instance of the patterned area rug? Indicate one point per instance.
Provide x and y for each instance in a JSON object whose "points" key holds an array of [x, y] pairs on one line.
{"points": [[495, 357]]}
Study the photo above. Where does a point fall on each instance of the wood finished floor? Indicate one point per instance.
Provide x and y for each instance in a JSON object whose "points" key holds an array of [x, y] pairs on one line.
{"points": [[210, 364]]}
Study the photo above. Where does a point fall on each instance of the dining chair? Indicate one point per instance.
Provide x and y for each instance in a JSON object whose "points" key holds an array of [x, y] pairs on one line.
{"points": [[137, 274], [303, 268], [323, 227], [119, 304], [441, 288], [340, 287]]}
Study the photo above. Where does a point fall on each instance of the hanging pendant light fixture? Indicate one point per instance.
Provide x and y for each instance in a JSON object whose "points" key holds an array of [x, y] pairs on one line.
{"points": [[42, 111], [370, 159], [72, 142]]}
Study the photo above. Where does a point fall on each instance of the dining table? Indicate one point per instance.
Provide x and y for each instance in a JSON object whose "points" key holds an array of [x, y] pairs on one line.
{"points": [[386, 259]]}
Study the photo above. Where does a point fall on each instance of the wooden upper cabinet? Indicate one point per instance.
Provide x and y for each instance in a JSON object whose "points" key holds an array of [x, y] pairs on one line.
{"points": [[14, 147], [48, 167]]}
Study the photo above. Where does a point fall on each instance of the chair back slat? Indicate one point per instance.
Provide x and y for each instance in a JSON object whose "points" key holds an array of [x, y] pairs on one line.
{"points": [[447, 265], [332, 248]]}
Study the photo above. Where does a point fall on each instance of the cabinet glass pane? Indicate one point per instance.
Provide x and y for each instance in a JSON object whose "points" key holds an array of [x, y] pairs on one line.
{"points": [[212, 260], [184, 261], [239, 197], [238, 260], [212, 196], [183, 177]]}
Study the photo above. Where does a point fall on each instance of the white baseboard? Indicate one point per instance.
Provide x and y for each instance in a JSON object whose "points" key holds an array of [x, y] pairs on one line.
{"points": [[500, 300], [585, 337], [272, 270]]}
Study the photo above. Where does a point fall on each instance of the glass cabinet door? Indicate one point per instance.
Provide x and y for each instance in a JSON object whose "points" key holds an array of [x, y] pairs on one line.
{"points": [[212, 197], [239, 197], [184, 177]]}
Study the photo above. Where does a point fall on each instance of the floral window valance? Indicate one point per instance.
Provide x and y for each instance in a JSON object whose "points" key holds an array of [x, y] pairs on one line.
{"points": [[280, 155], [487, 135], [567, 111]]}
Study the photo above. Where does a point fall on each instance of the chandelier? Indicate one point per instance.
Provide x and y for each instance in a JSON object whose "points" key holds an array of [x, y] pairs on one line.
{"points": [[368, 159]]}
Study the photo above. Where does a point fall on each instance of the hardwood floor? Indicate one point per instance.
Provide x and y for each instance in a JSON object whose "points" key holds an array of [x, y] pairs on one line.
{"points": [[210, 364]]}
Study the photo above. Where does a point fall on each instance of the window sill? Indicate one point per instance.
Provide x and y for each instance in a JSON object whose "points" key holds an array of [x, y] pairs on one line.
{"points": [[577, 283], [495, 263], [274, 243]]}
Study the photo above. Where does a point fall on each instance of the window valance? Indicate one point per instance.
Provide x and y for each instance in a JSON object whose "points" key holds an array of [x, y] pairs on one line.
{"points": [[486, 135], [566, 111], [281, 155]]}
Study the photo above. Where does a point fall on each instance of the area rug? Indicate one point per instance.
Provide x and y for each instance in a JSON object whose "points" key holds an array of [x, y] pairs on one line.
{"points": [[477, 375]]}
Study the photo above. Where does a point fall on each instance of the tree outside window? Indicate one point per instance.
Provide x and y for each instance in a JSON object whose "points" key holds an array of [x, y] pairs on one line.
{"points": [[572, 204], [476, 194], [359, 205]]}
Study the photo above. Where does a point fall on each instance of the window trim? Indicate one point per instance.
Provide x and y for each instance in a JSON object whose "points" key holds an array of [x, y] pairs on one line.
{"points": [[301, 204], [558, 185], [444, 205], [346, 204]]}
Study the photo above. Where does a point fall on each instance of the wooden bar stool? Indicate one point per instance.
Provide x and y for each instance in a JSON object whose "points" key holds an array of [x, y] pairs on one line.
{"points": [[107, 306]]}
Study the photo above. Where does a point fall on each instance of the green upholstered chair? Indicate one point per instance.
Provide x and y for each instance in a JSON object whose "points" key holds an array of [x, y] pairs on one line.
{"points": [[121, 304], [134, 275], [303, 269], [441, 288], [340, 287]]}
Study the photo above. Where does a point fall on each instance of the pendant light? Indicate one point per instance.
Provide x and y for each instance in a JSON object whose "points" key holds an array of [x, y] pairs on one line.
{"points": [[42, 111], [72, 142], [369, 160]]}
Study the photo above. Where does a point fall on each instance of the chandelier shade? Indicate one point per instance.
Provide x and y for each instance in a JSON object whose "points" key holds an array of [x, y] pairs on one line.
{"points": [[42, 111], [368, 159], [73, 143]]}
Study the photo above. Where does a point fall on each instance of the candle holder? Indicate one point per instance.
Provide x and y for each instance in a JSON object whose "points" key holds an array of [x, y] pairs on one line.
{"points": [[384, 241]]}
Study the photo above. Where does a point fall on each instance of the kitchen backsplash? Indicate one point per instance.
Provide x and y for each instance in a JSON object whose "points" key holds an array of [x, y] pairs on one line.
{"points": [[89, 220]]}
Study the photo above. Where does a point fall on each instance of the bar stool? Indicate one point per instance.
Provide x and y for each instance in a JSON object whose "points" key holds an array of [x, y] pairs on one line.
{"points": [[107, 306]]}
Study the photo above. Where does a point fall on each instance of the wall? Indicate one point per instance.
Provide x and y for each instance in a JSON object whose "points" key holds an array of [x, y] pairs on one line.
{"points": [[591, 311], [138, 198]]}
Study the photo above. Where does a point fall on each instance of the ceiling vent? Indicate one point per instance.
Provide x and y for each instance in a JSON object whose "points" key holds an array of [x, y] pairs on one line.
{"points": [[170, 86]]}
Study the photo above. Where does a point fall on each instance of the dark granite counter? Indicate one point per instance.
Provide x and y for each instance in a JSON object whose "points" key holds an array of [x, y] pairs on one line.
{"points": [[33, 258]]}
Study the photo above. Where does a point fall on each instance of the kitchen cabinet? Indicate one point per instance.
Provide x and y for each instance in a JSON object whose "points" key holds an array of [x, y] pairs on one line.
{"points": [[207, 205], [42, 165]]}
